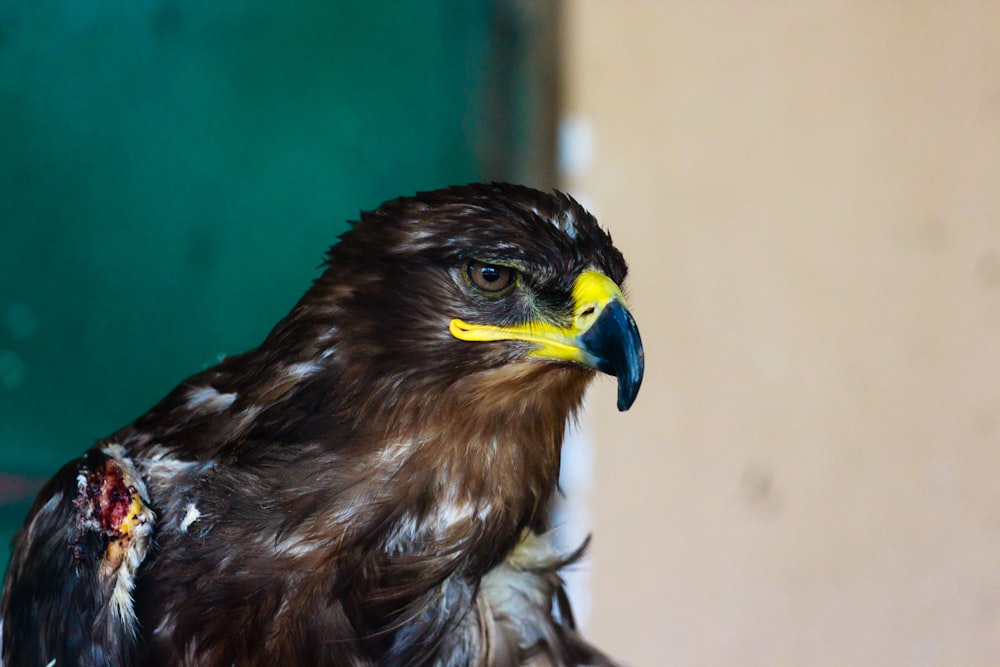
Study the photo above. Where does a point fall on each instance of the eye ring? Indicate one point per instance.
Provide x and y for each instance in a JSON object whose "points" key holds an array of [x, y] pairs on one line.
{"points": [[490, 278]]}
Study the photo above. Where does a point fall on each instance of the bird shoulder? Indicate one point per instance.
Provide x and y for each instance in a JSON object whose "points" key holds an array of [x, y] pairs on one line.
{"points": [[72, 573]]}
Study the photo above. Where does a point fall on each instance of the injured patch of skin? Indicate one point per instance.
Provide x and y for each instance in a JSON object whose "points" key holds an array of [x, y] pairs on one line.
{"points": [[111, 503], [113, 526]]}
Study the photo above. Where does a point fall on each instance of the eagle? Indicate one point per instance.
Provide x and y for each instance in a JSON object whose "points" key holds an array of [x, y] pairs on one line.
{"points": [[372, 484]]}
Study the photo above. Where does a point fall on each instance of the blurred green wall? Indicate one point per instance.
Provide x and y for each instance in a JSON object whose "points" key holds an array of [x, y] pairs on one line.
{"points": [[172, 172]]}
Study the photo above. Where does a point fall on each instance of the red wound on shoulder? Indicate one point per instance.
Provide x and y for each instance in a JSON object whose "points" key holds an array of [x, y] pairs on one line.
{"points": [[109, 497]]}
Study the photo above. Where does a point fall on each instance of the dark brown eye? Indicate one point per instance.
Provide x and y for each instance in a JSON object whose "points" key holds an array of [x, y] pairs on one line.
{"points": [[490, 277]]}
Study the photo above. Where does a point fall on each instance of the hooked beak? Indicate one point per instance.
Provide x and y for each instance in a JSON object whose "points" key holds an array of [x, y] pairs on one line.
{"points": [[603, 335]]}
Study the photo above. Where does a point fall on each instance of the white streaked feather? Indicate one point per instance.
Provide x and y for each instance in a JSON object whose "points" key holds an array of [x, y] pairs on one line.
{"points": [[208, 399], [191, 515], [302, 370]]}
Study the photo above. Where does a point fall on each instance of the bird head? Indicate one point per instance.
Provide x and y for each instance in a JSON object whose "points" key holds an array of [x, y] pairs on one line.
{"points": [[484, 288]]}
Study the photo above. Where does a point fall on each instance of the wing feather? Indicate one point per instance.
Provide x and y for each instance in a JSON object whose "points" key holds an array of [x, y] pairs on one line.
{"points": [[68, 592]]}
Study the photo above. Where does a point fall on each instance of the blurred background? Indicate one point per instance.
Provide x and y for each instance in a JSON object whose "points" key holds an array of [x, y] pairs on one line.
{"points": [[808, 195]]}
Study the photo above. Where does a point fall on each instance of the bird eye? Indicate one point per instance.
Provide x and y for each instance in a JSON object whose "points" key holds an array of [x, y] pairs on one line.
{"points": [[490, 277]]}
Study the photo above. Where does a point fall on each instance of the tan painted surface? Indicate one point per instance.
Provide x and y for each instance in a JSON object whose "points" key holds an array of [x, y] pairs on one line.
{"points": [[809, 196]]}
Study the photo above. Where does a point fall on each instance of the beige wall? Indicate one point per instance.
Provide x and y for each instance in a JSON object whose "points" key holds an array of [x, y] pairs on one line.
{"points": [[809, 196]]}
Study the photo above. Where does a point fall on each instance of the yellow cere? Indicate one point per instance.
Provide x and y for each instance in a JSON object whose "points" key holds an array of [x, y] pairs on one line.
{"points": [[592, 291]]}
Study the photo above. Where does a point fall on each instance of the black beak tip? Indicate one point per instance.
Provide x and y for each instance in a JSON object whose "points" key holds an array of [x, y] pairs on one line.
{"points": [[630, 381], [614, 343]]}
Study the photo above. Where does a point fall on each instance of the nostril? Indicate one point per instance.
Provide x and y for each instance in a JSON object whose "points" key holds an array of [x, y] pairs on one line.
{"points": [[588, 312]]}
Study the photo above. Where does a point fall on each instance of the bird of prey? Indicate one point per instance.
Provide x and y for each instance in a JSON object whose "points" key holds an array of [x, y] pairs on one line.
{"points": [[369, 486]]}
